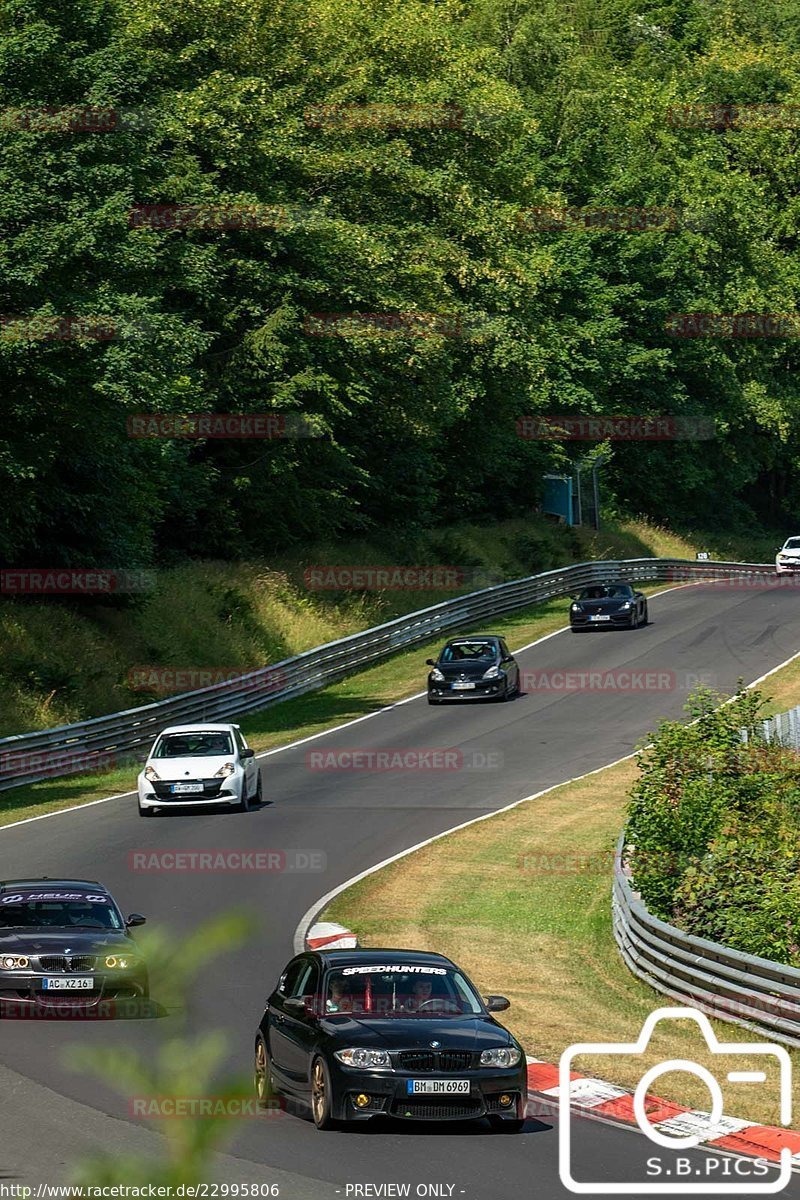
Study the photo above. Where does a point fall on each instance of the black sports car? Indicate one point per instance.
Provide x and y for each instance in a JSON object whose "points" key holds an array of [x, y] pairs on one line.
{"points": [[604, 605], [64, 944], [357, 1033], [476, 667]]}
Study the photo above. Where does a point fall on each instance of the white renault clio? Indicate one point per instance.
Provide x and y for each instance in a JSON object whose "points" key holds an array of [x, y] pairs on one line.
{"points": [[199, 764], [788, 557]]}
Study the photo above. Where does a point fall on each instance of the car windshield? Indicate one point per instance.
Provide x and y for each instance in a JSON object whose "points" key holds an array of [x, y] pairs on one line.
{"points": [[192, 745], [792, 544], [403, 990], [607, 591], [467, 651], [19, 911]]}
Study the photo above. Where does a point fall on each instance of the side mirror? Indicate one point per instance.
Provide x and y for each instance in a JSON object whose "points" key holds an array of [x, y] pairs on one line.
{"points": [[497, 1004], [429, 662], [135, 919], [302, 1006], [247, 753]]}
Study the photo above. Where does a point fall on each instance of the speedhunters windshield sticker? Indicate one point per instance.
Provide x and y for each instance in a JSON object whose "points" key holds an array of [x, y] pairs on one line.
{"points": [[405, 969]]}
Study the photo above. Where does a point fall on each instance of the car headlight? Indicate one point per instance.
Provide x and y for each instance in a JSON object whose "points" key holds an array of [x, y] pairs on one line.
{"points": [[151, 773], [121, 962], [437, 676], [13, 962], [505, 1056], [492, 673], [781, 557], [626, 605], [225, 770], [357, 1057], [575, 607]]}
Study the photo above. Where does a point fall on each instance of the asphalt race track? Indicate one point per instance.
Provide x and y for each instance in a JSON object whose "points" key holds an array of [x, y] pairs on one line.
{"points": [[353, 819]]}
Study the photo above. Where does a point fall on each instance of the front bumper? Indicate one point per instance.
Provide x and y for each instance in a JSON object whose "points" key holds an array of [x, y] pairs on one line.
{"points": [[158, 794], [484, 689], [388, 1095], [792, 567], [22, 992], [618, 620]]}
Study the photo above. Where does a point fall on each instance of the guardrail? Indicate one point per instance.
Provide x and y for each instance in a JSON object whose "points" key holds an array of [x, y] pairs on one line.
{"points": [[752, 992], [782, 727], [68, 749]]}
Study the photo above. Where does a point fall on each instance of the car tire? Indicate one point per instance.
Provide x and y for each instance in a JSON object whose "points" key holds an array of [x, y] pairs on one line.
{"points": [[259, 796], [147, 812], [432, 700], [645, 616], [321, 1094], [506, 1124], [262, 1074]]}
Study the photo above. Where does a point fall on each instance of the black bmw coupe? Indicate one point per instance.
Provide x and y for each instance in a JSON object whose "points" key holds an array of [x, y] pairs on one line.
{"points": [[354, 1034], [608, 605], [65, 945]]}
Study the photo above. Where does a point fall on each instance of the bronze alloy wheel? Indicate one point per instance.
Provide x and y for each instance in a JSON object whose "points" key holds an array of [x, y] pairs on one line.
{"points": [[320, 1095], [261, 1071]]}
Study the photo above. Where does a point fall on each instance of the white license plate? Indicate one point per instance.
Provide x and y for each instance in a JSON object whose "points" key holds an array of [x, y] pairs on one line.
{"points": [[600, 617], [438, 1087], [186, 787], [463, 687], [74, 983]]}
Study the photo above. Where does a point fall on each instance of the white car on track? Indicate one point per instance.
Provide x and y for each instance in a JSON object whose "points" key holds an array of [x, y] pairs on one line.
{"points": [[788, 557], [204, 764]]}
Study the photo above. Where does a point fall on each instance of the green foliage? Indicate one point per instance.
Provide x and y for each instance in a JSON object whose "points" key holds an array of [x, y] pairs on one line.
{"points": [[561, 107], [714, 829]]}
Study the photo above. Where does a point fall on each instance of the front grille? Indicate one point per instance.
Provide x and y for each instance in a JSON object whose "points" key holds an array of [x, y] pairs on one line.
{"points": [[67, 964], [163, 790], [443, 1060], [432, 1110]]}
